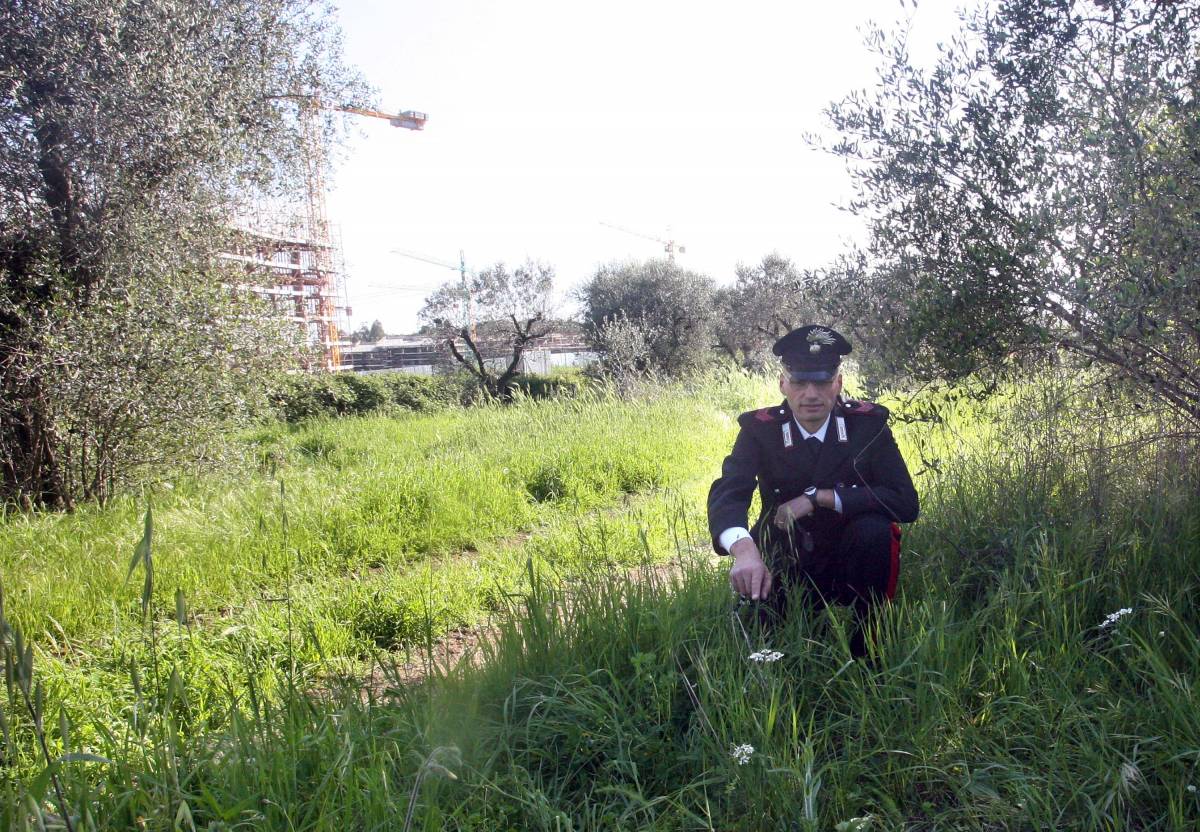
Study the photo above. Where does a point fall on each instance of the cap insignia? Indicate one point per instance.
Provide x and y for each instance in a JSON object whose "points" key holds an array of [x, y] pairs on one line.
{"points": [[817, 338]]}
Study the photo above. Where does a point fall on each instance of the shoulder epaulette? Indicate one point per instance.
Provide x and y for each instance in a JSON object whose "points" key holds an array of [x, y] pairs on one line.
{"points": [[764, 415], [857, 407]]}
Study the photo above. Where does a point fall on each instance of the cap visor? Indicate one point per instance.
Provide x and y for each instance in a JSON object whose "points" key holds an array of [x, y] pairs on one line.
{"points": [[812, 375]]}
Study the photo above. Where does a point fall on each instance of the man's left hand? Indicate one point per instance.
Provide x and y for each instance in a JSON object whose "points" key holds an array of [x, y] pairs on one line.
{"points": [[794, 509]]}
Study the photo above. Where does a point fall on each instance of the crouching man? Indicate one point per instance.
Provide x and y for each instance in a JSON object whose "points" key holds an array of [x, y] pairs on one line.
{"points": [[832, 485]]}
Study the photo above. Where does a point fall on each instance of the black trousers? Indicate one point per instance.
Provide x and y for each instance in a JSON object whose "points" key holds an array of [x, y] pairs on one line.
{"points": [[854, 563]]}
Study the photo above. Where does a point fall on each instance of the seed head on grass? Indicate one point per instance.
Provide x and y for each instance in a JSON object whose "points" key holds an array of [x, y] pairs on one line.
{"points": [[1113, 617], [1131, 776]]}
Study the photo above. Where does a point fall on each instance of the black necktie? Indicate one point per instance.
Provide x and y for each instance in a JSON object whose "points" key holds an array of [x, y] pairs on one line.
{"points": [[814, 446]]}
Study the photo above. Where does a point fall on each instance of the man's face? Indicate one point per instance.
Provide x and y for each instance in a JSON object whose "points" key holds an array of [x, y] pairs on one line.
{"points": [[811, 401]]}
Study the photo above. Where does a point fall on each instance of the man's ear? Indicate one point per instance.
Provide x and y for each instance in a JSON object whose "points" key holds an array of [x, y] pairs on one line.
{"points": [[782, 379]]}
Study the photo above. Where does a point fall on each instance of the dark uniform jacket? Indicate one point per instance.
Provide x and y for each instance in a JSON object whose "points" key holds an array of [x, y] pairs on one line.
{"points": [[866, 470]]}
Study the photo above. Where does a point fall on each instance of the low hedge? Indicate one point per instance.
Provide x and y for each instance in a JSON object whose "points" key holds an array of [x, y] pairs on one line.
{"points": [[354, 394], [351, 394], [563, 383]]}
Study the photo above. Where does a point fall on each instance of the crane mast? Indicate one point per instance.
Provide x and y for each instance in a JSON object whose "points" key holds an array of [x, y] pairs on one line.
{"points": [[331, 284], [463, 271]]}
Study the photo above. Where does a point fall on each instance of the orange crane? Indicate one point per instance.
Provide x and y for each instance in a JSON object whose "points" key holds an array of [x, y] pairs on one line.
{"points": [[670, 246], [328, 312], [409, 119]]}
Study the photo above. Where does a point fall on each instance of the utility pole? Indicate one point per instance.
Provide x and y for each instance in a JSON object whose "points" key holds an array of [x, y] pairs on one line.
{"points": [[462, 270]]}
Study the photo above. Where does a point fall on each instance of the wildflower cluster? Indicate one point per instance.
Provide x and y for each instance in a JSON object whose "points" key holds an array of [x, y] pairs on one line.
{"points": [[742, 753], [766, 656], [1114, 617]]}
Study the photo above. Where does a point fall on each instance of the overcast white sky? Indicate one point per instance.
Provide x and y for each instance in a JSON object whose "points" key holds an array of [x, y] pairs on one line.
{"points": [[547, 118]]}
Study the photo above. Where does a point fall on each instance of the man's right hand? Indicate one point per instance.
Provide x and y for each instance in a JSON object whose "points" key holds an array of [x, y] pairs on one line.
{"points": [[749, 576]]}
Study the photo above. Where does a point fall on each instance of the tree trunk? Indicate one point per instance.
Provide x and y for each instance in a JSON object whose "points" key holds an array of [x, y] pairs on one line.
{"points": [[31, 474]]}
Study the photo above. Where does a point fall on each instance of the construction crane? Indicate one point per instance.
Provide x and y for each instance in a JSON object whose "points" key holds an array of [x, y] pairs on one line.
{"points": [[318, 215], [462, 270], [670, 246], [409, 119], [386, 289]]}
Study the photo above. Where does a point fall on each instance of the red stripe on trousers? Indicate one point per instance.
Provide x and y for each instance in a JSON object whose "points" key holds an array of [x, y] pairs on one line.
{"points": [[894, 575]]}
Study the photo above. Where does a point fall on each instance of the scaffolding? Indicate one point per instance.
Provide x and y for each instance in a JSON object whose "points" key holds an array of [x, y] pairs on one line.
{"points": [[292, 258], [299, 276]]}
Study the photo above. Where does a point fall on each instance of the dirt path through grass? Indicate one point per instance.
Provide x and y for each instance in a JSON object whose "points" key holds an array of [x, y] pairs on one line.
{"points": [[467, 643]]}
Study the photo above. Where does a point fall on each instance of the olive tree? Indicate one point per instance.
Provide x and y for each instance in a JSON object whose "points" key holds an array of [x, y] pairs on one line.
{"points": [[128, 132], [655, 307], [1036, 190], [765, 302], [487, 320]]}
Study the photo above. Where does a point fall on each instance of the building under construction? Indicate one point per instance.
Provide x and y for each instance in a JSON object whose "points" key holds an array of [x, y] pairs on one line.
{"points": [[425, 355], [300, 275], [292, 259]]}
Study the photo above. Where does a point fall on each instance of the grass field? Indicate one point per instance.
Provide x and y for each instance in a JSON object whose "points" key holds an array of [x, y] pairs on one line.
{"points": [[614, 693]]}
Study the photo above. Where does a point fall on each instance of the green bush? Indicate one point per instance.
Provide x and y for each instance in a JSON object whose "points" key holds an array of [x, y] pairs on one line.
{"points": [[423, 393], [552, 386], [309, 396], [371, 393], [348, 394]]}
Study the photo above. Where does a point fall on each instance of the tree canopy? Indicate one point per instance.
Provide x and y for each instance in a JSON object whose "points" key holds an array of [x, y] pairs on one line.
{"points": [[128, 134], [488, 320], [649, 316], [1035, 190], [371, 333], [765, 301]]}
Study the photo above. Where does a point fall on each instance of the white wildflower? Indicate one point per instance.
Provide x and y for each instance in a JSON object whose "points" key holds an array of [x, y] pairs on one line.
{"points": [[742, 753], [1191, 788], [1113, 617], [766, 656]]}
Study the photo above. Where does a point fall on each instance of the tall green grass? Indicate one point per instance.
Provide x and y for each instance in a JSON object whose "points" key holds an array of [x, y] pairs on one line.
{"points": [[344, 538], [997, 696], [345, 497]]}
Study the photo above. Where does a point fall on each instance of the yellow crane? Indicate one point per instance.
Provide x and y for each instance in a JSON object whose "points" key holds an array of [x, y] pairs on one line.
{"points": [[318, 216], [670, 246], [409, 119]]}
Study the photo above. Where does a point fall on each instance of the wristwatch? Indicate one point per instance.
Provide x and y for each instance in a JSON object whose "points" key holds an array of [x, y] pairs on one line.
{"points": [[811, 494]]}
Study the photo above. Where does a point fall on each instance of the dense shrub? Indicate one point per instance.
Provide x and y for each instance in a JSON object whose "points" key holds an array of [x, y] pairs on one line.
{"points": [[556, 385], [307, 396], [351, 394], [422, 393], [370, 393]]}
